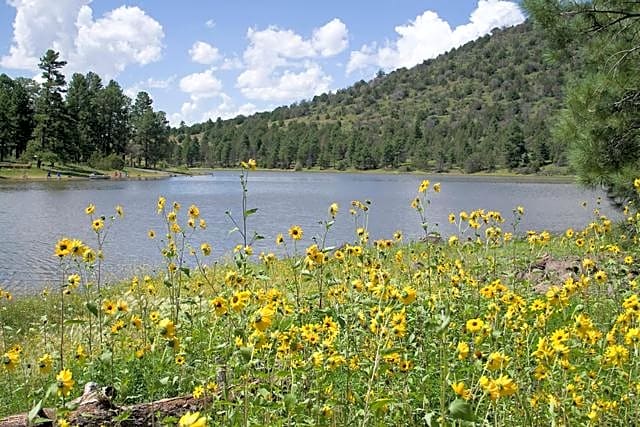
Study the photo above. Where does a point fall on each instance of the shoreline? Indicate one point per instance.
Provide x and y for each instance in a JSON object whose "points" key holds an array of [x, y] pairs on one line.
{"points": [[479, 175], [41, 175], [148, 174]]}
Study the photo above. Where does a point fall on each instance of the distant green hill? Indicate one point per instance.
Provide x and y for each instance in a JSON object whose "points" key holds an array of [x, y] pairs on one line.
{"points": [[483, 106]]}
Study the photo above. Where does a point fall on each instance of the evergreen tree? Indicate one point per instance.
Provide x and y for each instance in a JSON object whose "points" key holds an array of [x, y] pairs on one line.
{"points": [[150, 132], [79, 107], [51, 118], [25, 92], [601, 119], [113, 112], [7, 111], [514, 151], [141, 124]]}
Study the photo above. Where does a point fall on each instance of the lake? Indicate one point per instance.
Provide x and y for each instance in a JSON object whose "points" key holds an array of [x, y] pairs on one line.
{"points": [[35, 215]]}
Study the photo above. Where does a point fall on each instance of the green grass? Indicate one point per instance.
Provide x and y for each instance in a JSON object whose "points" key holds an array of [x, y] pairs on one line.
{"points": [[73, 171]]}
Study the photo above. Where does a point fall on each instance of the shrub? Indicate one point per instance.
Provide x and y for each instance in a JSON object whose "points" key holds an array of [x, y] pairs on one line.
{"points": [[110, 162]]}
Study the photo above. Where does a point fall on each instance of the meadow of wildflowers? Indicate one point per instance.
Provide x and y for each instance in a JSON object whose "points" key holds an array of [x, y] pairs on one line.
{"points": [[472, 329]]}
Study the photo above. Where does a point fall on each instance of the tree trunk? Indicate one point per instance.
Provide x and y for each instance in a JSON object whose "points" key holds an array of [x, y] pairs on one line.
{"points": [[95, 408]]}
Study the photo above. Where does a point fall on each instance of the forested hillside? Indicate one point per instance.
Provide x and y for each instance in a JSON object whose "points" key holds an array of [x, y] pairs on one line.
{"points": [[485, 105]]}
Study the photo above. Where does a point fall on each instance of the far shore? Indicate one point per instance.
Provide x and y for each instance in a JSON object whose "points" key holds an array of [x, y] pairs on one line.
{"points": [[137, 174], [501, 174]]}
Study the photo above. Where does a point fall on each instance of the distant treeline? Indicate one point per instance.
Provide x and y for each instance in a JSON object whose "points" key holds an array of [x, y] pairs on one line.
{"points": [[82, 122]]}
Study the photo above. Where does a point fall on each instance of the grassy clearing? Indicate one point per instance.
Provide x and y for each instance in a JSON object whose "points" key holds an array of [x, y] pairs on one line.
{"points": [[494, 326]]}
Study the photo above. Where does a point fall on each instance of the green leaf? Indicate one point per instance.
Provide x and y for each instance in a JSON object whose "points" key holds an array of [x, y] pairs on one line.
{"points": [[250, 212], [290, 401], [380, 403], [106, 356], [386, 351], [72, 406], [40, 421], [233, 230], [460, 409], [186, 271], [33, 413], [168, 284], [53, 389], [578, 309], [264, 393], [444, 323], [122, 416], [246, 353], [164, 381], [93, 308], [428, 418]]}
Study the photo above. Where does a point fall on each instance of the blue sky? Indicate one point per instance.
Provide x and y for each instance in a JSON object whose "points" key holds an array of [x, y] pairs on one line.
{"points": [[202, 59]]}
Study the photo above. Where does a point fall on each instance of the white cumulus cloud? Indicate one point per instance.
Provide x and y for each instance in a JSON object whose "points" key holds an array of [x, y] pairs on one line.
{"points": [[201, 85], [273, 46], [124, 36], [232, 63], [40, 25], [331, 38], [149, 84], [204, 53], [107, 45], [281, 65], [287, 85], [429, 35]]}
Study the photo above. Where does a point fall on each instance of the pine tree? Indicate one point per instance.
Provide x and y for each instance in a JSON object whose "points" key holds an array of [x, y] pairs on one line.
{"points": [[51, 116], [601, 119]]}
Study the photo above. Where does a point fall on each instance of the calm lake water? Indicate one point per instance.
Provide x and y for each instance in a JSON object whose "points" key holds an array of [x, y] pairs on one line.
{"points": [[33, 216]]}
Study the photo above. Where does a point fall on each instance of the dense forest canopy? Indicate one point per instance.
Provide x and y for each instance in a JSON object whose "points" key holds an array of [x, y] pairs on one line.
{"points": [[483, 106], [82, 121], [601, 114]]}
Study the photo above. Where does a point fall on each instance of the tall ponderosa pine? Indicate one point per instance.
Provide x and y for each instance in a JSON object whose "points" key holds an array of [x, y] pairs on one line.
{"points": [[81, 114], [149, 132], [113, 108], [601, 119], [24, 95], [51, 118]]}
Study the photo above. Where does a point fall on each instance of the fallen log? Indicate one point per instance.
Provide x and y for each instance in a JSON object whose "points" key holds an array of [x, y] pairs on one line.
{"points": [[95, 407]]}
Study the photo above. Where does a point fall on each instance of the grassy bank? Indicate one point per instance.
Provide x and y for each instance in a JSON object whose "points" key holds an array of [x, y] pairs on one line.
{"points": [[487, 326], [66, 172]]}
